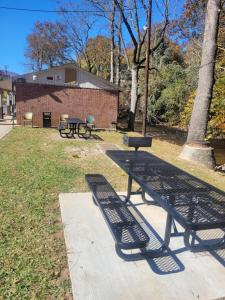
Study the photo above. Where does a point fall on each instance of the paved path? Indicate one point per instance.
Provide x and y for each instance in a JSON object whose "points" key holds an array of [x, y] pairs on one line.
{"points": [[97, 273], [4, 129]]}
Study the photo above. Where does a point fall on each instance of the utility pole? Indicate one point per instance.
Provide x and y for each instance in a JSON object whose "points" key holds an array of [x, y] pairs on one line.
{"points": [[13, 101], [149, 23], [6, 70]]}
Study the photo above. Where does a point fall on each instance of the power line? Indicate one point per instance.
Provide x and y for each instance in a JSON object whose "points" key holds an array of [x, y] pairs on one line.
{"points": [[56, 11]]}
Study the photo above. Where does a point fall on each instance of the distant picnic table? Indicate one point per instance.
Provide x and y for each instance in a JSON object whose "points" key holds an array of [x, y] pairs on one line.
{"points": [[74, 124]]}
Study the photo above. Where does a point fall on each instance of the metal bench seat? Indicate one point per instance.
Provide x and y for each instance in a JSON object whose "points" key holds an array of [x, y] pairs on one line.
{"points": [[127, 232]]}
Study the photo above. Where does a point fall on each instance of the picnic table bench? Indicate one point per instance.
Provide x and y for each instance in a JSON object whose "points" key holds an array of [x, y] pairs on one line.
{"points": [[126, 231]]}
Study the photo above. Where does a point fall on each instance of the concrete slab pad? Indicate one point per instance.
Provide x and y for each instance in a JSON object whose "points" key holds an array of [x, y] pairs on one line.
{"points": [[106, 146], [98, 273]]}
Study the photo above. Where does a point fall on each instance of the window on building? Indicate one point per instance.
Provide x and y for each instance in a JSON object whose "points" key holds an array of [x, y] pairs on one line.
{"points": [[70, 76]]}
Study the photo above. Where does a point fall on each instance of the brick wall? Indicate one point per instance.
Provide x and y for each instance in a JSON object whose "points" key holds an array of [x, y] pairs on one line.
{"points": [[77, 102]]}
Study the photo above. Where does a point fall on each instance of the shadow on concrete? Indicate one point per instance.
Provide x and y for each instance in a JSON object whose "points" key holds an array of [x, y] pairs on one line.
{"points": [[164, 263], [219, 254], [169, 263]]}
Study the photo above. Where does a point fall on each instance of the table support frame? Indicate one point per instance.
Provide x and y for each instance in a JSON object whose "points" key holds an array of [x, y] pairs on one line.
{"points": [[190, 236]]}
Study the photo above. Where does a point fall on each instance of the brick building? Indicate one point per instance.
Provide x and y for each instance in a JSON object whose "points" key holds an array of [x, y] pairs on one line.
{"points": [[66, 90]]}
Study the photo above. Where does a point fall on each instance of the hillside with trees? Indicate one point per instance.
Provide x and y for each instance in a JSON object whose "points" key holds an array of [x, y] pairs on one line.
{"points": [[119, 55]]}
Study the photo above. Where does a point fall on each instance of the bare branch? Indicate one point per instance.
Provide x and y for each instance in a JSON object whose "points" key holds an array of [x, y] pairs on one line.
{"points": [[127, 24], [150, 69], [136, 25], [145, 7], [125, 51], [221, 48], [162, 33]]}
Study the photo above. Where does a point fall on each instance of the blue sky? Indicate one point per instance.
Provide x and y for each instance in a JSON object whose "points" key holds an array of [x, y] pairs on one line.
{"points": [[16, 25]]}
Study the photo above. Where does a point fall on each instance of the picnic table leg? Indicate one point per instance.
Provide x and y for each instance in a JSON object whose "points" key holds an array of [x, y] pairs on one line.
{"points": [[202, 245], [80, 135], [74, 130], [173, 224], [70, 133], [78, 130], [169, 222], [149, 202], [129, 188]]}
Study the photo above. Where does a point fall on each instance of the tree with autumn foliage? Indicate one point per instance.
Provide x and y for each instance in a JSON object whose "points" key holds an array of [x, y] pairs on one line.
{"points": [[47, 45], [97, 50]]}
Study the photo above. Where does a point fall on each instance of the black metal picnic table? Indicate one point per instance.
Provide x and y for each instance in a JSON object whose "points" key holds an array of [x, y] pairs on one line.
{"points": [[74, 125], [193, 203]]}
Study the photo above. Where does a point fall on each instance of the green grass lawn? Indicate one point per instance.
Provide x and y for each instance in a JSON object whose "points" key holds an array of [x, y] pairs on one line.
{"points": [[35, 167]]}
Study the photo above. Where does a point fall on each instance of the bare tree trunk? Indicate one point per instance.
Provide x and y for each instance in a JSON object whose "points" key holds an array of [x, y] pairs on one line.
{"points": [[125, 52], [145, 106], [199, 118], [134, 96], [118, 64], [118, 58], [112, 54]]}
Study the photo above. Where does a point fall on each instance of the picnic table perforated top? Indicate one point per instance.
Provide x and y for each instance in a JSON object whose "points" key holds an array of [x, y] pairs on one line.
{"points": [[193, 203]]}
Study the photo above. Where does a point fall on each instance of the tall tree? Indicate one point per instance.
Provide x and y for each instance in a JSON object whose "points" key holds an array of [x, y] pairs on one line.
{"points": [[107, 9], [194, 148], [131, 19], [119, 49], [98, 52], [112, 51], [47, 45], [79, 28]]}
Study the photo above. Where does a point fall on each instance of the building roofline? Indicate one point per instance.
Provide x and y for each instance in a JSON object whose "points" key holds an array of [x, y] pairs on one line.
{"points": [[73, 65], [6, 85]]}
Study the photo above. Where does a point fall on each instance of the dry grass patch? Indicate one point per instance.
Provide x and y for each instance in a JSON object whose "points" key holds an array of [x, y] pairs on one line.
{"points": [[82, 152]]}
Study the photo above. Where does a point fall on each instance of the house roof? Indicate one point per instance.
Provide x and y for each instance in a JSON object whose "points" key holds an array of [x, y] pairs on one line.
{"points": [[74, 66], [6, 85]]}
